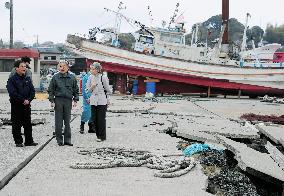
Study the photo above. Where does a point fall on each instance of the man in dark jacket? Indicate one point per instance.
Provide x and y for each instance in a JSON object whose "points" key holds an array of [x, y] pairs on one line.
{"points": [[63, 88], [21, 92]]}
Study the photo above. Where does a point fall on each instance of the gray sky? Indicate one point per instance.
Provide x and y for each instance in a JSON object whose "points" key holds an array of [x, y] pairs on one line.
{"points": [[52, 20]]}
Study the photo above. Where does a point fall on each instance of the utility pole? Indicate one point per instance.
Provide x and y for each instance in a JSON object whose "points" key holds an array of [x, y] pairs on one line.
{"points": [[37, 40], [9, 5], [11, 24]]}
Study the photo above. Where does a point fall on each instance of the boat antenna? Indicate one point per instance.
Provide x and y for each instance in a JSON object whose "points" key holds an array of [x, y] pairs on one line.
{"points": [[172, 19], [150, 15], [129, 20], [118, 18]]}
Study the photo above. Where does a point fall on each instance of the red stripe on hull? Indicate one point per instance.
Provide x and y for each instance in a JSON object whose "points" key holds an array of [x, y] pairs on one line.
{"points": [[220, 84]]}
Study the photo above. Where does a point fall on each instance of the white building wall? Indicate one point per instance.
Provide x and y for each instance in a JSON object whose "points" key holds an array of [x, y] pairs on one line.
{"points": [[4, 76]]}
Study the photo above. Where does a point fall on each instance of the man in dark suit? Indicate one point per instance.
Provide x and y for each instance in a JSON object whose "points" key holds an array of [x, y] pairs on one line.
{"points": [[21, 92]]}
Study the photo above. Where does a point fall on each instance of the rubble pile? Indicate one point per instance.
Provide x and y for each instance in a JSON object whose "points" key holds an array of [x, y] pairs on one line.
{"points": [[264, 118], [169, 99], [231, 182], [213, 158], [7, 121], [268, 99]]}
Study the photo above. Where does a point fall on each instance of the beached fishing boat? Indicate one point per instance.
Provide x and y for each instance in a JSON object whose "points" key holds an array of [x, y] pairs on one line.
{"points": [[160, 53]]}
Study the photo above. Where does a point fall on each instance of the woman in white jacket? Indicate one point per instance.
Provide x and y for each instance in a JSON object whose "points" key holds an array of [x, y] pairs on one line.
{"points": [[98, 85]]}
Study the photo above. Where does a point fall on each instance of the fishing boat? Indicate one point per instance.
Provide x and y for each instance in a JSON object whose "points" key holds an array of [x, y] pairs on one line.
{"points": [[161, 54], [264, 53]]}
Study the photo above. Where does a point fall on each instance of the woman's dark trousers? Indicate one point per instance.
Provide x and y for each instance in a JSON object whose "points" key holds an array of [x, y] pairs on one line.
{"points": [[99, 120]]}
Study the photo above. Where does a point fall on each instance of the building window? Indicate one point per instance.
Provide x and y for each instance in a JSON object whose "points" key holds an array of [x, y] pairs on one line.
{"points": [[6, 65], [49, 58], [171, 38]]}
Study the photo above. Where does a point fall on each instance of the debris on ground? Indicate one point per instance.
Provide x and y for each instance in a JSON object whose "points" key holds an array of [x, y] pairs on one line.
{"points": [[7, 121], [197, 148], [268, 99], [120, 157], [263, 118], [231, 182], [166, 99]]}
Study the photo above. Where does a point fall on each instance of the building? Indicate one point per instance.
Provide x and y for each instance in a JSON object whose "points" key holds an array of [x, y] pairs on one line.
{"points": [[79, 65], [49, 58], [7, 59]]}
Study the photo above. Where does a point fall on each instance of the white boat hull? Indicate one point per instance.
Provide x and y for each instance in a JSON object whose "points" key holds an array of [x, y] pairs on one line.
{"points": [[230, 77]]}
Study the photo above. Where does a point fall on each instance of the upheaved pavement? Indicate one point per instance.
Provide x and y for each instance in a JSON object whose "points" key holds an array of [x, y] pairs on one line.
{"points": [[131, 124]]}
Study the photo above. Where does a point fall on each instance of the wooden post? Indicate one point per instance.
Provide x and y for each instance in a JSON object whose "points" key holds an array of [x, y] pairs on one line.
{"points": [[209, 91], [239, 93]]}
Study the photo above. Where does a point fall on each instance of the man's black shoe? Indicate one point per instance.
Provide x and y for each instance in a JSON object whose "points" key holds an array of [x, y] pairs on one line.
{"points": [[19, 145], [60, 144], [68, 144], [31, 144]]}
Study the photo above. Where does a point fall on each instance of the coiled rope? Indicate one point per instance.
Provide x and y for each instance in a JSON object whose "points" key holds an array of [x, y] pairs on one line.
{"points": [[119, 157]]}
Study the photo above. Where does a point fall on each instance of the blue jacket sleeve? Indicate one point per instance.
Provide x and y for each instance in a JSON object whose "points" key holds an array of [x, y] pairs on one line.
{"points": [[86, 95]]}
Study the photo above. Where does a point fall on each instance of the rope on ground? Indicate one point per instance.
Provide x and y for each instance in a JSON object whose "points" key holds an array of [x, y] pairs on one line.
{"points": [[120, 157]]}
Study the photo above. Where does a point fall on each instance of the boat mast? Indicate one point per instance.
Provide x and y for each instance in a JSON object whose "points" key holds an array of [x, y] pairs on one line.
{"points": [[225, 20], [196, 34], [118, 22], [244, 42], [225, 24], [172, 19]]}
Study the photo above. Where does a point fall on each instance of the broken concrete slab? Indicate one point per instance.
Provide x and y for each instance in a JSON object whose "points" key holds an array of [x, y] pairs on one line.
{"points": [[182, 107], [275, 133], [196, 135], [264, 168], [275, 154], [234, 108], [205, 128]]}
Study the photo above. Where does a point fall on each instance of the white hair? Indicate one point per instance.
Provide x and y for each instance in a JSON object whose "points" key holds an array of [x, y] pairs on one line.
{"points": [[96, 66]]}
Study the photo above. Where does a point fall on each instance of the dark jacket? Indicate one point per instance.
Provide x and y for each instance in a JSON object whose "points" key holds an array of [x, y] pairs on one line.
{"points": [[20, 88], [63, 85]]}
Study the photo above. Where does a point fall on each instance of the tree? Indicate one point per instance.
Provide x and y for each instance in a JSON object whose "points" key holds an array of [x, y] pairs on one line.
{"points": [[126, 40], [274, 34], [236, 30], [19, 44], [2, 44], [255, 33], [47, 43]]}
